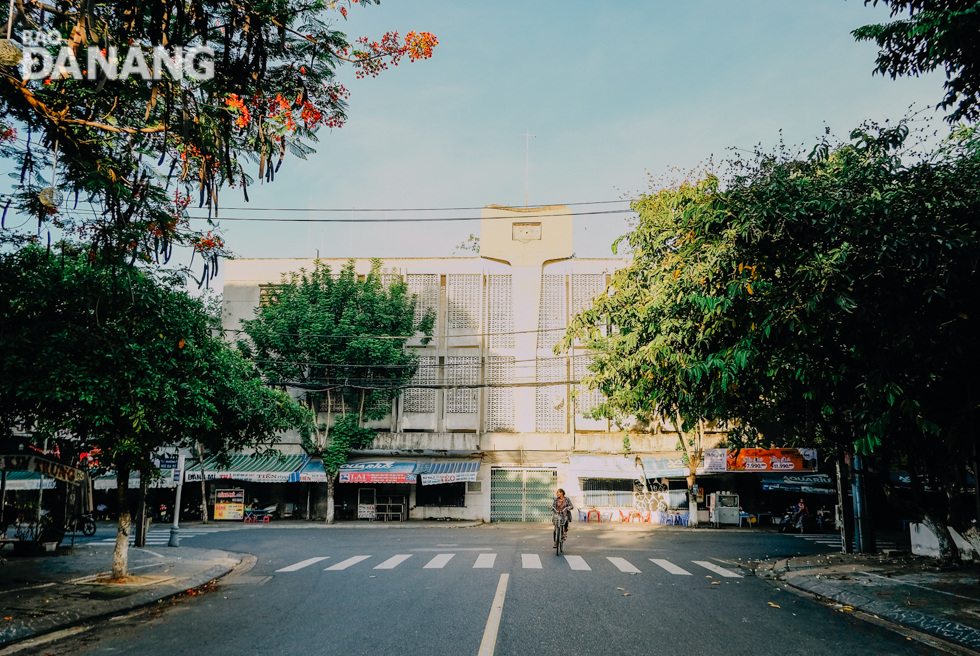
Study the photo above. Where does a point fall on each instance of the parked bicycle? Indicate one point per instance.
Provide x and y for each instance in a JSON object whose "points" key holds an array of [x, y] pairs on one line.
{"points": [[558, 519]]}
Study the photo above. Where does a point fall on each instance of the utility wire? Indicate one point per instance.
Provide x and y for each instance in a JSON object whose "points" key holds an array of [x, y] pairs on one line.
{"points": [[420, 366], [513, 332]]}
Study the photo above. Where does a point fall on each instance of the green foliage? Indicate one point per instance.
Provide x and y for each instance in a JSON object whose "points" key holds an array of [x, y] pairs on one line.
{"points": [[124, 363], [936, 34], [339, 342], [820, 298]]}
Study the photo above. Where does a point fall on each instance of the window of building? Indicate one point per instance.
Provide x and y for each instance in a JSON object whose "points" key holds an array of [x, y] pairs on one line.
{"points": [[445, 494], [608, 492]]}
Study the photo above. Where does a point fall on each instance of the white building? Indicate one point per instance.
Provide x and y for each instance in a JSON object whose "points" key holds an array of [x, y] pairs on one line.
{"points": [[499, 316]]}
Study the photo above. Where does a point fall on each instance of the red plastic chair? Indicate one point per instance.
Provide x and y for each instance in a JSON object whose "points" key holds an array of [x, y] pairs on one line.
{"points": [[624, 517], [588, 516]]}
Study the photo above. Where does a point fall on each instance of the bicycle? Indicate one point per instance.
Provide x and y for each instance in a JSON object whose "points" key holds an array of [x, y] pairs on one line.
{"points": [[558, 520]]}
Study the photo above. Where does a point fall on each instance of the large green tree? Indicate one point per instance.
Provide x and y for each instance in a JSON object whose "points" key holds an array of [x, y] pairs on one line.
{"points": [[934, 34], [339, 343], [831, 296], [125, 364], [135, 152]]}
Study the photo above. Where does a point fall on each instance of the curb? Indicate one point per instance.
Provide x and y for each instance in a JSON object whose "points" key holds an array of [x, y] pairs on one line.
{"points": [[112, 608], [959, 634]]}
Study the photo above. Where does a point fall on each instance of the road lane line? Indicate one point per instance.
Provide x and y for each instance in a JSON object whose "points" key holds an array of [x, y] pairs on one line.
{"points": [[670, 567], [717, 570], [485, 561], [301, 564], [622, 564], [439, 561], [530, 561], [489, 641], [344, 564], [394, 561], [577, 562]]}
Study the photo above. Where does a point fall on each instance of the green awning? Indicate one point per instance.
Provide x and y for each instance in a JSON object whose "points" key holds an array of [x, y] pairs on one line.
{"points": [[250, 468], [23, 480]]}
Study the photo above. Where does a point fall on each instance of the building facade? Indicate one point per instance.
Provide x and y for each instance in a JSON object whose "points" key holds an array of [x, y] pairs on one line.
{"points": [[502, 431]]}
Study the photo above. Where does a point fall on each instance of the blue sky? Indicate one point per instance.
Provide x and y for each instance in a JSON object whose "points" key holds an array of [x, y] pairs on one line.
{"points": [[612, 90]]}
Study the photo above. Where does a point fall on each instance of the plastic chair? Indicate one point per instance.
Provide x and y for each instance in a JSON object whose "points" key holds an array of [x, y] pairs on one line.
{"points": [[683, 518], [745, 516], [606, 515], [582, 515], [593, 511], [624, 517]]}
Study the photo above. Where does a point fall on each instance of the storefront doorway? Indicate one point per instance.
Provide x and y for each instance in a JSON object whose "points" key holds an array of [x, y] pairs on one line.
{"points": [[522, 495]]}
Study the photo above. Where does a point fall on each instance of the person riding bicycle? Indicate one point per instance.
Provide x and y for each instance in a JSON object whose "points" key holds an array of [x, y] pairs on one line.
{"points": [[563, 506]]}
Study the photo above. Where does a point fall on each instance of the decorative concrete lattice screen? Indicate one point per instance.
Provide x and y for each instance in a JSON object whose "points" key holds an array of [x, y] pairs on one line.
{"points": [[465, 300], [551, 318], [585, 288], [423, 400], [388, 278], [500, 400], [462, 371], [585, 400], [426, 287], [500, 312], [549, 402]]}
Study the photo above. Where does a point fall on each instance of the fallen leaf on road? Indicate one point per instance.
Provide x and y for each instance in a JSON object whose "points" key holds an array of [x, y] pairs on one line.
{"points": [[848, 608], [626, 594], [773, 605], [620, 588], [707, 576], [716, 583]]}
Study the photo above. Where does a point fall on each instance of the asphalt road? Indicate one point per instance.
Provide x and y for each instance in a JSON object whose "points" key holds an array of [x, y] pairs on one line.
{"points": [[431, 590]]}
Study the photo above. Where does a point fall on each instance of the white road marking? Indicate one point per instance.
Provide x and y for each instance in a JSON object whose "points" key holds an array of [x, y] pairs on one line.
{"points": [[530, 561], [485, 561], [489, 641], [670, 567], [717, 570], [303, 563], [344, 564], [394, 561], [578, 563], [439, 561], [622, 564]]}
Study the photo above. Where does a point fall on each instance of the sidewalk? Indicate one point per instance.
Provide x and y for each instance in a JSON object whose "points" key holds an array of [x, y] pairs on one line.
{"points": [[41, 594], [907, 590]]}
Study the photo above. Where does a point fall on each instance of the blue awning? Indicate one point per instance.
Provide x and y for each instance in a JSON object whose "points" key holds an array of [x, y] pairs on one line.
{"points": [[434, 472], [312, 472]]}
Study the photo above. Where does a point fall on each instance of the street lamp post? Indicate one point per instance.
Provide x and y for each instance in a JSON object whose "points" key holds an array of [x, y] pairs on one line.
{"points": [[175, 529]]}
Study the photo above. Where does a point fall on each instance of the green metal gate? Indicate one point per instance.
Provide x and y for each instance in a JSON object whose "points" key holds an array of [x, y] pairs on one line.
{"points": [[522, 495]]}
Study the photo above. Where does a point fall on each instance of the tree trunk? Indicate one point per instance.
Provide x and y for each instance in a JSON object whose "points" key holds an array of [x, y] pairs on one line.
{"points": [[949, 553], [360, 412], [140, 528], [846, 510], [120, 557], [204, 485], [330, 504]]}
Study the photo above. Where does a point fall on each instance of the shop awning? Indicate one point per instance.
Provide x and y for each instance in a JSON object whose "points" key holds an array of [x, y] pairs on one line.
{"points": [[434, 472], [378, 471], [312, 472], [604, 467], [667, 468], [249, 468], [803, 483], [22, 480]]}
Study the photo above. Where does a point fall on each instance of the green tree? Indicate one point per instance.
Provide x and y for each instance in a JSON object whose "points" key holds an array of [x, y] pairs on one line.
{"points": [[339, 342], [824, 298], [125, 364], [935, 34], [136, 151]]}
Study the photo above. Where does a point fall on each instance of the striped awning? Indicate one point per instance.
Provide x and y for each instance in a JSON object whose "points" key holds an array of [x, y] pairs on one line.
{"points": [[22, 480], [249, 468], [434, 472], [312, 472]]}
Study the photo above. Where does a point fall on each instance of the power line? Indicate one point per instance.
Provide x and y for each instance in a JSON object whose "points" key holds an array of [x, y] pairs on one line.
{"points": [[420, 366], [513, 332], [346, 385], [393, 221]]}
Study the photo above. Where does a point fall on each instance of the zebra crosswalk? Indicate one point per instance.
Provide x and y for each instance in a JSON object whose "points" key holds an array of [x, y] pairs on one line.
{"points": [[161, 537], [529, 561]]}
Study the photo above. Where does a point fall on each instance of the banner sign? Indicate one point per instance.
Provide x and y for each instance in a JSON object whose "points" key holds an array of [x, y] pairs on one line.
{"points": [[761, 460], [459, 477], [229, 504], [43, 466], [715, 460], [378, 471]]}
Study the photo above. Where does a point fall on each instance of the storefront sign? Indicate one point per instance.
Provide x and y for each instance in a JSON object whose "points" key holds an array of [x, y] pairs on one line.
{"points": [[715, 460], [166, 463], [366, 511], [229, 504], [760, 460], [377, 477], [378, 471], [46, 467], [460, 477]]}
